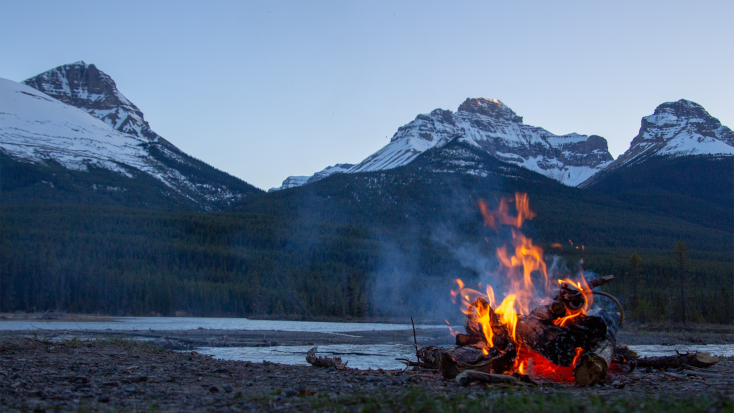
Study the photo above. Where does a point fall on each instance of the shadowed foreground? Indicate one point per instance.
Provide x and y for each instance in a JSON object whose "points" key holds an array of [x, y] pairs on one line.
{"points": [[123, 375]]}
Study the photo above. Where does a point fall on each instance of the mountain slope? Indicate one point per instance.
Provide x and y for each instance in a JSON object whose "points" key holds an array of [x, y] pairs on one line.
{"points": [[88, 126], [440, 189], [494, 127], [680, 164]]}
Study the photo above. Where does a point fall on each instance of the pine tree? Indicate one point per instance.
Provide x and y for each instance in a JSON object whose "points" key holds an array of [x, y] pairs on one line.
{"points": [[680, 253], [634, 264]]}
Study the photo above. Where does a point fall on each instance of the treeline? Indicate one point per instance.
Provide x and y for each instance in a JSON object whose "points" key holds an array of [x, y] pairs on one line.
{"points": [[120, 261], [139, 262]]}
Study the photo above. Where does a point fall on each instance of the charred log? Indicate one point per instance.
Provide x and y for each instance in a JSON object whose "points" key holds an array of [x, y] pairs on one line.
{"points": [[461, 359], [558, 344], [466, 340], [549, 312]]}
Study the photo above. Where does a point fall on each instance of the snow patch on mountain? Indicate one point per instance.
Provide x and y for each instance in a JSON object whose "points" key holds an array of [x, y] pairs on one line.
{"points": [[37, 128], [294, 181]]}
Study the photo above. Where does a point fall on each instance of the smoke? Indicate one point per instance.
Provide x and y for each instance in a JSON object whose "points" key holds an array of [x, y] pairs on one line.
{"points": [[400, 287]]}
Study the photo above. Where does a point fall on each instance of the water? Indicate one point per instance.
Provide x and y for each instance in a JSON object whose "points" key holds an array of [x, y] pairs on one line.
{"points": [[194, 323], [363, 357], [726, 350], [383, 355], [359, 356]]}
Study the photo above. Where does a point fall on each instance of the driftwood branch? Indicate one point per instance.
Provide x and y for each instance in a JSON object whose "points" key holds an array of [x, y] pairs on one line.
{"points": [[326, 362]]}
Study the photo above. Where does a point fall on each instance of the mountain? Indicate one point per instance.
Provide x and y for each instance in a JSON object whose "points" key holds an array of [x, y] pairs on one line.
{"points": [[69, 135], [494, 127], [294, 181], [680, 164], [675, 129]]}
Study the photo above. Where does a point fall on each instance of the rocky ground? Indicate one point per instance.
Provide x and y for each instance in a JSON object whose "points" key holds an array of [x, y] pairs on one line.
{"points": [[113, 374]]}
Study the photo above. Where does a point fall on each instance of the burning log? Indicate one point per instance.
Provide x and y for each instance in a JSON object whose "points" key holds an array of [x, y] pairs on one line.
{"points": [[313, 359], [558, 343], [461, 359], [701, 360]]}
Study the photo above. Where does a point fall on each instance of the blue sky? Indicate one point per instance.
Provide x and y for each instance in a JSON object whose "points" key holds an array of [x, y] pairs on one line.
{"points": [[264, 89]]}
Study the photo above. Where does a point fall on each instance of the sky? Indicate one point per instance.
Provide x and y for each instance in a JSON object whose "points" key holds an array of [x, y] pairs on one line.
{"points": [[267, 89]]}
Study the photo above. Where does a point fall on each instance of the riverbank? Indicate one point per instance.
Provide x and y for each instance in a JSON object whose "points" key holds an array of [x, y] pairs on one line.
{"points": [[125, 375]]}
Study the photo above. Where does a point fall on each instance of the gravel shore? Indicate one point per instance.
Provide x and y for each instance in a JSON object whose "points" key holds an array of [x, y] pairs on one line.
{"points": [[112, 374]]}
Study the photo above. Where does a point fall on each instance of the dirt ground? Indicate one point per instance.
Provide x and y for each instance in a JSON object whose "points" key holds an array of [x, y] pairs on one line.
{"points": [[115, 374]]}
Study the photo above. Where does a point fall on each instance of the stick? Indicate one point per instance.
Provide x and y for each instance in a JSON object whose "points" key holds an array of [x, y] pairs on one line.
{"points": [[415, 340]]}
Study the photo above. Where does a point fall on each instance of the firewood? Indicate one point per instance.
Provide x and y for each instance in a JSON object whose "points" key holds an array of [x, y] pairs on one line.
{"points": [[455, 361], [466, 340], [592, 369], [556, 343], [549, 312], [572, 298], [702, 360], [429, 355], [469, 376]]}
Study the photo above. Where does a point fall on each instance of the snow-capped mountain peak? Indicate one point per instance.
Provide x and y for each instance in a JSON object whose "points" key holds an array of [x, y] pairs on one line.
{"points": [[84, 86], [678, 129], [73, 116], [495, 128], [492, 108]]}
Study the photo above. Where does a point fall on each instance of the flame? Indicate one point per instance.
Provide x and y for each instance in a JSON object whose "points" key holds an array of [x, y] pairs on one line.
{"points": [[525, 275], [502, 217], [562, 321]]}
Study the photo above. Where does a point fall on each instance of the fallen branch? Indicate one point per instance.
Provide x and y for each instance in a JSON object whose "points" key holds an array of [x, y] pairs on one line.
{"points": [[470, 376], [326, 362], [703, 360]]}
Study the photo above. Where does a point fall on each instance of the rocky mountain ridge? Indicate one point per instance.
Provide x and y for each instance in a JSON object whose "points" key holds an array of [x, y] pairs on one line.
{"points": [[675, 129], [498, 130]]}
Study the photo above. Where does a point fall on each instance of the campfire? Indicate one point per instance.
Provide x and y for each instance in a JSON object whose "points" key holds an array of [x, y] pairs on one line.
{"points": [[547, 326], [543, 327]]}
